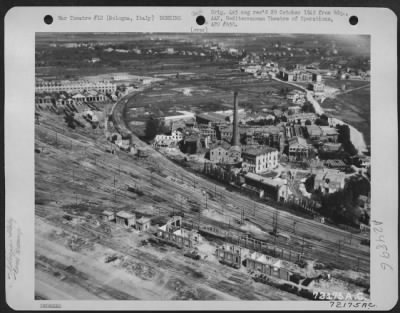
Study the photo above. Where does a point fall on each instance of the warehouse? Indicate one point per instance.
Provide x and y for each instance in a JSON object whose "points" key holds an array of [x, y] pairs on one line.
{"points": [[125, 218]]}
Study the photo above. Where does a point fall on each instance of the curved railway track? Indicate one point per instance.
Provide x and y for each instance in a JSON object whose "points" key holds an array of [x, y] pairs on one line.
{"points": [[321, 242]]}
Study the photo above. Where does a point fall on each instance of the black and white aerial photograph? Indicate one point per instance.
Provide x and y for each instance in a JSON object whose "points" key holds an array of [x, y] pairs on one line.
{"points": [[213, 166]]}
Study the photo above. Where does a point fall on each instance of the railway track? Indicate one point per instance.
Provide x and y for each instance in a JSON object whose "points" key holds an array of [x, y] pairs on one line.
{"points": [[329, 248], [324, 249]]}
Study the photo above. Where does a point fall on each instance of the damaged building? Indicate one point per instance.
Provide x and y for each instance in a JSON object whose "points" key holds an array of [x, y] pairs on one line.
{"points": [[173, 232], [230, 255]]}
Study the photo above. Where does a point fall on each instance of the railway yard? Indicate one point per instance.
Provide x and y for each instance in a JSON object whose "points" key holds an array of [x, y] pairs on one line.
{"points": [[76, 180], [95, 171]]}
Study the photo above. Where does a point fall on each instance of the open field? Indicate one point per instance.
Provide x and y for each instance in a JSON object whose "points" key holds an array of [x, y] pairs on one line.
{"points": [[78, 256], [74, 172], [353, 107], [207, 92], [80, 181], [348, 83]]}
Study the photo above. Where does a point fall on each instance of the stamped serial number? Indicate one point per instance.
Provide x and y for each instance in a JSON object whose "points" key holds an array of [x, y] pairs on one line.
{"points": [[50, 306], [352, 305], [319, 295]]}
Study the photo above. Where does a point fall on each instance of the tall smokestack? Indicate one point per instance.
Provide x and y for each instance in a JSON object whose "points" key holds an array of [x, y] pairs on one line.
{"points": [[235, 135]]}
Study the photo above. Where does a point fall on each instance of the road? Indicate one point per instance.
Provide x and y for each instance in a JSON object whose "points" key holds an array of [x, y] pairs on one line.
{"points": [[309, 95], [356, 137], [328, 242]]}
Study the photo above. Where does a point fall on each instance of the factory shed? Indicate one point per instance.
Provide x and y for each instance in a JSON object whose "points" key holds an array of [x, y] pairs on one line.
{"points": [[125, 218], [107, 216], [143, 224]]}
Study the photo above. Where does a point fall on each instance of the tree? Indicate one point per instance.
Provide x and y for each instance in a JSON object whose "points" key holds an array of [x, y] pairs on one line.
{"points": [[324, 117], [344, 139], [321, 122], [309, 183], [308, 107], [307, 122], [154, 126]]}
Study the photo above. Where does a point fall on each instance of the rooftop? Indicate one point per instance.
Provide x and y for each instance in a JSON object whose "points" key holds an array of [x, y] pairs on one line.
{"points": [[124, 214], [274, 182], [314, 130], [329, 146], [258, 151], [108, 213], [222, 144], [298, 141], [327, 130], [335, 163], [143, 220], [212, 116]]}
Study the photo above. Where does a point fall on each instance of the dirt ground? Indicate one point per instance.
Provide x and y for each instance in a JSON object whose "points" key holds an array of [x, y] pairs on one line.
{"points": [[146, 273], [76, 179]]}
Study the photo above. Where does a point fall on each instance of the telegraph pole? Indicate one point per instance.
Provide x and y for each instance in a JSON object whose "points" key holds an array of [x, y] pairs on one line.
{"points": [[199, 217], [114, 190], [275, 223]]}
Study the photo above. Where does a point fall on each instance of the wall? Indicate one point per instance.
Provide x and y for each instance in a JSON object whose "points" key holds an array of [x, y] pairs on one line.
{"points": [[181, 241]]}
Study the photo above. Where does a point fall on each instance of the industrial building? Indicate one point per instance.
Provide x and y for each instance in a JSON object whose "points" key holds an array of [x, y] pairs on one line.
{"points": [[173, 232], [267, 265], [125, 218], [211, 119], [230, 255], [274, 188], [299, 149], [259, 160], [168, 140], [107, 216], [143, 224], [74, 86], [329, 181]]}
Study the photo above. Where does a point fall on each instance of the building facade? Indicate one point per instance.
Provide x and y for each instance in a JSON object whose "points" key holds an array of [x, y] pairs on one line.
{"points": [[259, 160], [168, 140], [329, 181], [74, 86], [125, 218], [299, 150], [218, 155], [230, 255]]}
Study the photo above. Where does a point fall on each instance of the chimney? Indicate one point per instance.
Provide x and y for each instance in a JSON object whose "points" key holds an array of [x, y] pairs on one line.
{"points": [[235, 126]]}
